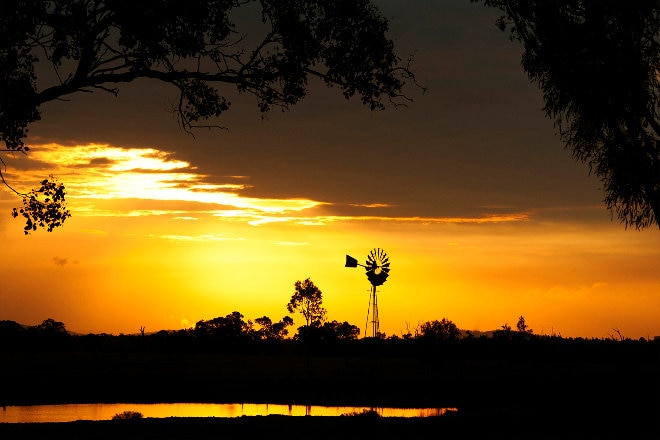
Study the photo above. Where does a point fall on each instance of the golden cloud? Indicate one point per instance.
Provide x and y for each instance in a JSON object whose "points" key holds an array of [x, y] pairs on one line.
{"points": [[109, 181]]}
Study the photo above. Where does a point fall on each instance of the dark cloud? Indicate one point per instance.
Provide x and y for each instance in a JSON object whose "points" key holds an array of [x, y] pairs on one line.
{"points": [[101, 161], [59, 261], [63, 261], [477, 138]]}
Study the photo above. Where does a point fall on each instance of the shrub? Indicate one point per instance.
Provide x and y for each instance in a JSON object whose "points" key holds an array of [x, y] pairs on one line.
{"points": [[364, 413], [128, 415]]}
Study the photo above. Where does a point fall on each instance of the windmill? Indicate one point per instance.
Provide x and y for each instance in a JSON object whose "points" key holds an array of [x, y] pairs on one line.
{"points": [[378, 269]]}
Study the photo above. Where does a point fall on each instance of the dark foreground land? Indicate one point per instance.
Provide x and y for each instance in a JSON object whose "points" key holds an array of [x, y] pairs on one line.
{"points": [[475, 426], [551, 388]]}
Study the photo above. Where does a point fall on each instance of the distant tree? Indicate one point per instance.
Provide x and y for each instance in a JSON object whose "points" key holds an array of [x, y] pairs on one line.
{"points": [[522, 327], [365, 413], [341, 331], [308, 300], [10, 328], [128, 415], [50, 328], [504, 332], [327, 333], [270, 331], [11, 334], [444, 330], [48, 334], [197, 47], [230, 327], [597, 65]]}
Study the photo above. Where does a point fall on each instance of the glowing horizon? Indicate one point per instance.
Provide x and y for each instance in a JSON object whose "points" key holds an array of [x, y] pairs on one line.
{"points": [[162, 258], [483, 213]]}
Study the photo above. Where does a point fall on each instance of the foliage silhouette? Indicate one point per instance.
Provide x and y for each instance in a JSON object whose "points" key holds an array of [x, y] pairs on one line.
{"points": [[327, 333], [270, 331], [50, 328], [596, 64], [369, 413], [10, 328], [195, 46], [341, 331], [522, 326], [444, 330], [308, 300], [128, 415], [43, 207], [229, 328], [522, 331]]}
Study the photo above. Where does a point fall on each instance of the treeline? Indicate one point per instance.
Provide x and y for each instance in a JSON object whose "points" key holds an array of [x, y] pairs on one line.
{"points": [[234, 329], [234, 333], [231, 330]]}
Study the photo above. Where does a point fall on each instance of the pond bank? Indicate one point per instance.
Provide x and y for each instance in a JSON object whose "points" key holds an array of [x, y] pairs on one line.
{"points": [[105, 411], [574, 390], [450, 426]]}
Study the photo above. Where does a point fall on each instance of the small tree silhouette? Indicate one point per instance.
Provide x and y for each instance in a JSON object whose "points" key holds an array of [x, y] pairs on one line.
{"points": [[444, 330], [230, 328], [128, 415], [522, 327], [270, 331], [308, 300]]}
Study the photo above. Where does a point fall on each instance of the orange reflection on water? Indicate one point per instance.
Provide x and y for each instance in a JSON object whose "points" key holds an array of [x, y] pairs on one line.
{"points": [[73, 412]]}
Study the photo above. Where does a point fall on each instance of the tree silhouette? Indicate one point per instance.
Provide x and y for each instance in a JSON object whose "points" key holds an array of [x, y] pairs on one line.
{"points": [[10, 330], [43, 207], [308, 300], [49, 333], [270, 331], [444, 330], [230, 328], [341, 331], [50, 326], [596, 63], [193, 45], [522, 326]]}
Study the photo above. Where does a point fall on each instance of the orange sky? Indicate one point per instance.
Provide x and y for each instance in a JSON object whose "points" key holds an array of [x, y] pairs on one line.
{"points": [[483, 214]]}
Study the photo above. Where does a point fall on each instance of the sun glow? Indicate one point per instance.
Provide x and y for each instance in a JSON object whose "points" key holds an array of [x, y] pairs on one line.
{"points": [[153, 241]]}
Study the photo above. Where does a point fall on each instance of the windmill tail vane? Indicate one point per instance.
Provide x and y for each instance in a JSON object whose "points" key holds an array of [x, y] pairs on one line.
{"points": [[351, 262]]}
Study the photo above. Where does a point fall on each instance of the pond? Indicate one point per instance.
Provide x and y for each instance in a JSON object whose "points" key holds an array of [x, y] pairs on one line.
{"points": [[105, 411]]}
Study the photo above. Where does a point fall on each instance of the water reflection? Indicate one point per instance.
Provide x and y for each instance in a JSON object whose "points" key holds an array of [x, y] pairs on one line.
{"points": [[105, 411]]}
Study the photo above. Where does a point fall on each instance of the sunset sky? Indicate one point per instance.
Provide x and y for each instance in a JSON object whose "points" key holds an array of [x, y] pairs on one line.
{"points": [[483, 213]]}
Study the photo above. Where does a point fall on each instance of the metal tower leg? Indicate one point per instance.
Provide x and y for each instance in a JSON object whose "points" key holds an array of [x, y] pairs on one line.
{"points": [[373, 306], [366, 322]]}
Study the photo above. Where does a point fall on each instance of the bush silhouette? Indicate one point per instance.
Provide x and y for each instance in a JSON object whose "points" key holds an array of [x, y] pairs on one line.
{"points": [[128, 415], [364, 413]]}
